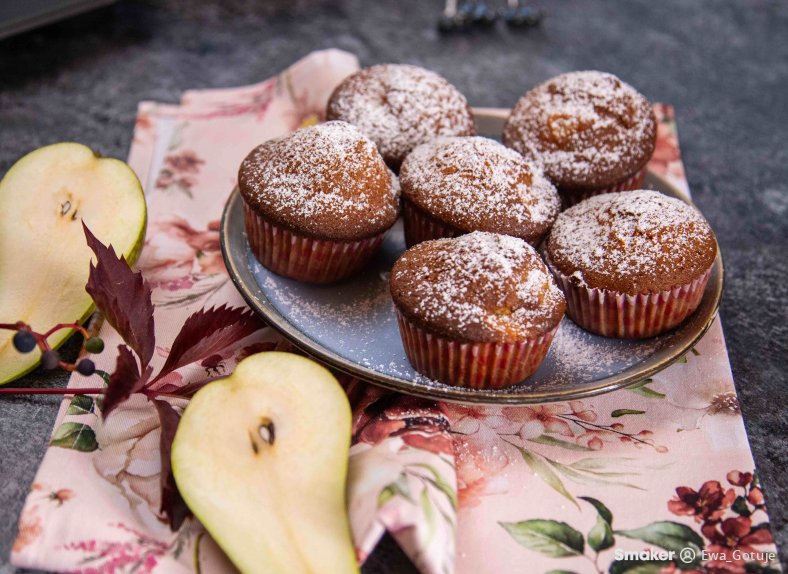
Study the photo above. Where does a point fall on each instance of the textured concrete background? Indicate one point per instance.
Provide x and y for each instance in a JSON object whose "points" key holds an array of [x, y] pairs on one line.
{"points": [[724, 67]]}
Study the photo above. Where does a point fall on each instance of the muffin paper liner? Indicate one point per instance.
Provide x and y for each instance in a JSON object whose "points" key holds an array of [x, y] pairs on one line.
{"points": [[420, 226], [305, 258], [634, 181], [472, 365], [616, 314]]}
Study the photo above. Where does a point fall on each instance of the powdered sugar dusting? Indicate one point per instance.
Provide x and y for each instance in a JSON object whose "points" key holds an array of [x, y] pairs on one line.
{"points": [[356, 320], [481, 285], [345, 315], [324, 176], [476, 183], [577, 355], [636, 233], [401, 106], [581, 125]]}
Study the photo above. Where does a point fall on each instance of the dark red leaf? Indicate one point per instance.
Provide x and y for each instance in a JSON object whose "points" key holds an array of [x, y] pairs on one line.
{"points": [[207, 332], [125, 380], [172, 503], [123, 297], [188, 391]]}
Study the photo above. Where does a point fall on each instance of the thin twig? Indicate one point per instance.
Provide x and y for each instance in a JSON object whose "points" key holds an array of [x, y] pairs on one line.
{"points": [[72, 391], [582, 424], [59, 326]]}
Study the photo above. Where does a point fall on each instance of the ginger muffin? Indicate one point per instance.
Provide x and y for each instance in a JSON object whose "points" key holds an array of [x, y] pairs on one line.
{"points": [[457, 185], [477, 311], [317, 202], [632, 264], [592, 132], [399, 107]]}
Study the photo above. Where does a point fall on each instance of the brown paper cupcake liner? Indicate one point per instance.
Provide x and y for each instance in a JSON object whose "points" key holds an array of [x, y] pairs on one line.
{"points": [[634, 181], [305, 258], [616, 314], [472, 365]]}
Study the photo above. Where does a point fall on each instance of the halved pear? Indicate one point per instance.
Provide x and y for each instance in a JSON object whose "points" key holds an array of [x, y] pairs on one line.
{"points": [[44, 259], [261, 459]]}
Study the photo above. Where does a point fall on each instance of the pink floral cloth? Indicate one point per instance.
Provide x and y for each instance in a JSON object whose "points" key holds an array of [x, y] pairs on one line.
{"points": [[564, 487]]}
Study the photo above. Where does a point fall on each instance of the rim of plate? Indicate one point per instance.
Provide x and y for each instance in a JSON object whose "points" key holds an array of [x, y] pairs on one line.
{"points": [[696, 326]]}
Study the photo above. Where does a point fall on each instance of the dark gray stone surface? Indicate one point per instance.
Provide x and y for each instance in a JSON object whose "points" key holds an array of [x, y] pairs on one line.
{"points": [[723, 65]]}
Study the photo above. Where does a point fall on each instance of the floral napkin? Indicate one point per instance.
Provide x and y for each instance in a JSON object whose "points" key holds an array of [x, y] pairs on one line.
{"points": [[657, 477]]}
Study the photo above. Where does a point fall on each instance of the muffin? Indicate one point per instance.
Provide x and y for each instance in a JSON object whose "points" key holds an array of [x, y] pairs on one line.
{"points": [[453, 186], [399, 107], [317, 202], [592, 132], [632, 264], [476, 311]]}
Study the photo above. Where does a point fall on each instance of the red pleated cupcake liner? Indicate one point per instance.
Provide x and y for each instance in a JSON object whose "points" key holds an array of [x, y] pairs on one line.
{"points": [[305, 258], [615, 314], [419, 226], [634, 181], [472, 365]]}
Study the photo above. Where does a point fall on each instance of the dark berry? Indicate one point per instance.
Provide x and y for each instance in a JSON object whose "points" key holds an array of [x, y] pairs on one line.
{"points": [[465, 10], [449, 24], [482, 15], [24, 341], [94, 345], [86, 367], [50, 359], [523, 17]]}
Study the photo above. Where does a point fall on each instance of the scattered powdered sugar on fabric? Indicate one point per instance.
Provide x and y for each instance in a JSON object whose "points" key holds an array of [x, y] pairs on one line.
{"points": [[401, 106], [481, 183], [629, 233], [481, 280], [581, 123], [325, 171]]}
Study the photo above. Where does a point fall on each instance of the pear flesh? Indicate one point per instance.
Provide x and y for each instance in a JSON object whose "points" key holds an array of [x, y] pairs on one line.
{"points": [[44, 259], [261, 459]]}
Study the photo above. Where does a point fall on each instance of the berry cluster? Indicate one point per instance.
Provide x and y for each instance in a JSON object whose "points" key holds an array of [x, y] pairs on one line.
{"points": [[25, 340], [476, 13]]}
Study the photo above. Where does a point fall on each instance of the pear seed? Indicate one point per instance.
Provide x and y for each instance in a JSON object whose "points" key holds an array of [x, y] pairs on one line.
{"points": [[266, 431]]}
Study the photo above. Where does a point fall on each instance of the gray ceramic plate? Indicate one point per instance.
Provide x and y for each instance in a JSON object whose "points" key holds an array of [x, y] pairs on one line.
{"points": [[351, 325]]}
